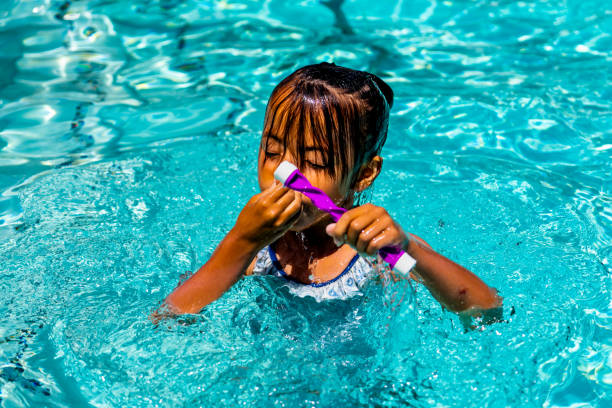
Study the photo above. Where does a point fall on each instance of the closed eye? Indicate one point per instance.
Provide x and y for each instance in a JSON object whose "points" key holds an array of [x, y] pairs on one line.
{"points": [[316, 166], [309, 163]]}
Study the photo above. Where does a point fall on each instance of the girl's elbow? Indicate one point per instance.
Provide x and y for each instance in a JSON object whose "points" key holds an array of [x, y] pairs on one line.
{"points": [[468, 300], [485, 312]]}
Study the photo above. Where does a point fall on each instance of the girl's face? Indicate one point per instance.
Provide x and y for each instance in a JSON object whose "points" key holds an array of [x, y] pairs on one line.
{"points": [[271, 155]]}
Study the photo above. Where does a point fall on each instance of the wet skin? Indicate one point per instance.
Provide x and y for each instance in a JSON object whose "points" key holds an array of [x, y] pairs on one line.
{"points": [[301, 234]]}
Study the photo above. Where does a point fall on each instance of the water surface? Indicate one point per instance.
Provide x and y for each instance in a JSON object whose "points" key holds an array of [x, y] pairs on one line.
{"points": [[128, 142]]}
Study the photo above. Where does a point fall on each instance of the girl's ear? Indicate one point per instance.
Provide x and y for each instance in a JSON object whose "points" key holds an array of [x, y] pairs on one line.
{"points": [[368, 173]]}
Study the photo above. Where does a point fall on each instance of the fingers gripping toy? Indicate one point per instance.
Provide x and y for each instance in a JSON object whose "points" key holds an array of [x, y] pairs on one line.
{"points": [[291, 177]]}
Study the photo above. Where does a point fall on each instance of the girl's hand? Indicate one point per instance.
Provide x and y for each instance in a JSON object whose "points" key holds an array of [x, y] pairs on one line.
{"points": [[268, 215], [367, 228]]}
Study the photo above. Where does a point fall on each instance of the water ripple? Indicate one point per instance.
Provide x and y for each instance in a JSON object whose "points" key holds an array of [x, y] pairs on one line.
{"points": [[112, 117]]}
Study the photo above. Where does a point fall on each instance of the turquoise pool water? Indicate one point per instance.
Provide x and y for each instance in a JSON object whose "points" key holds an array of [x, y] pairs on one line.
{"points": [[128, 137]]}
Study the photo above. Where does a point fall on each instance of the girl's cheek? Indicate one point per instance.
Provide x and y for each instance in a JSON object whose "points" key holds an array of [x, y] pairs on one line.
{"points": [[306, 201], [266, 175]]}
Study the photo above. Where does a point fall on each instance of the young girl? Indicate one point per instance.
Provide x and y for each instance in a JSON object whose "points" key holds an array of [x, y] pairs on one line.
{"points": [[331, 122]]}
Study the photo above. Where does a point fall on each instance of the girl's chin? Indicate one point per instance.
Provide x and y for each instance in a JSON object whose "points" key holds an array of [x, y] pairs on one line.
{"points": [[300, 226], [305, 222]]}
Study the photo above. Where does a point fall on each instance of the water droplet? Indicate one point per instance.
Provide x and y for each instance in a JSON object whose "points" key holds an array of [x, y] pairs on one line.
{"points": [[89, 31], [582, 48]]}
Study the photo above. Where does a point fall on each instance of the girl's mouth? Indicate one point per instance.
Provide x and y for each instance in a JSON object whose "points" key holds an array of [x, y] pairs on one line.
{"points": [[310, 216]]}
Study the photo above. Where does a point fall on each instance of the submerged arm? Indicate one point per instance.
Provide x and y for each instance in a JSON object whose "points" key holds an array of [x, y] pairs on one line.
{"points": [[369, 228], [263, 219], [226, 265], [454, 286]]}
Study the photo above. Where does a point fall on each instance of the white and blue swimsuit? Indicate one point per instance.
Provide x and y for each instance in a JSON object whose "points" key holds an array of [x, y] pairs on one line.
{"points": [[343, 286]]}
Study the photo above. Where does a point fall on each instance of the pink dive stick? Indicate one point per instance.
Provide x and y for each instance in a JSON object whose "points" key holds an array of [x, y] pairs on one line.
{"points": [[291, 177]]}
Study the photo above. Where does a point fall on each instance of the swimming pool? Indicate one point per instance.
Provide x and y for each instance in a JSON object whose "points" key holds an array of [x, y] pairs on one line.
{"points": [[128, 137]]}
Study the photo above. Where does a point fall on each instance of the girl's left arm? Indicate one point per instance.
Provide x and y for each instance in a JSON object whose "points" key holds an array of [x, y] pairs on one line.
{"points": [[369, 228]]}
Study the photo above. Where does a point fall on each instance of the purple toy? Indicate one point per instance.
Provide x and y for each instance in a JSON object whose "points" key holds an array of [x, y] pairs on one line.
{"points": [[291, 177]]}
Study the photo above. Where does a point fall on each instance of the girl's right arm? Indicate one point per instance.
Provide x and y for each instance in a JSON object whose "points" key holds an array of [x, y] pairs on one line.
{"points": [[266, 217]]}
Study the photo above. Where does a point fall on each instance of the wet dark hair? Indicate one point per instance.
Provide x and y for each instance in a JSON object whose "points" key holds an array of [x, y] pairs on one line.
{"points": [[344, 112]]}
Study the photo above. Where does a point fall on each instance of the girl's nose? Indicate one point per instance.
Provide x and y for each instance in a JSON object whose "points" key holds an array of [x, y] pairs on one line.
{"points": [[288, 157]]}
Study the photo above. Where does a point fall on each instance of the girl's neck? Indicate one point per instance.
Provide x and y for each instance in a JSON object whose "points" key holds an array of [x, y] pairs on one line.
{"points": [[314, 242], [311, 255]]}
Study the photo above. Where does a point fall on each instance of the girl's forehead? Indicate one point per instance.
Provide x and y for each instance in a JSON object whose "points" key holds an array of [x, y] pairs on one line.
{"points": [[307, 141]]}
